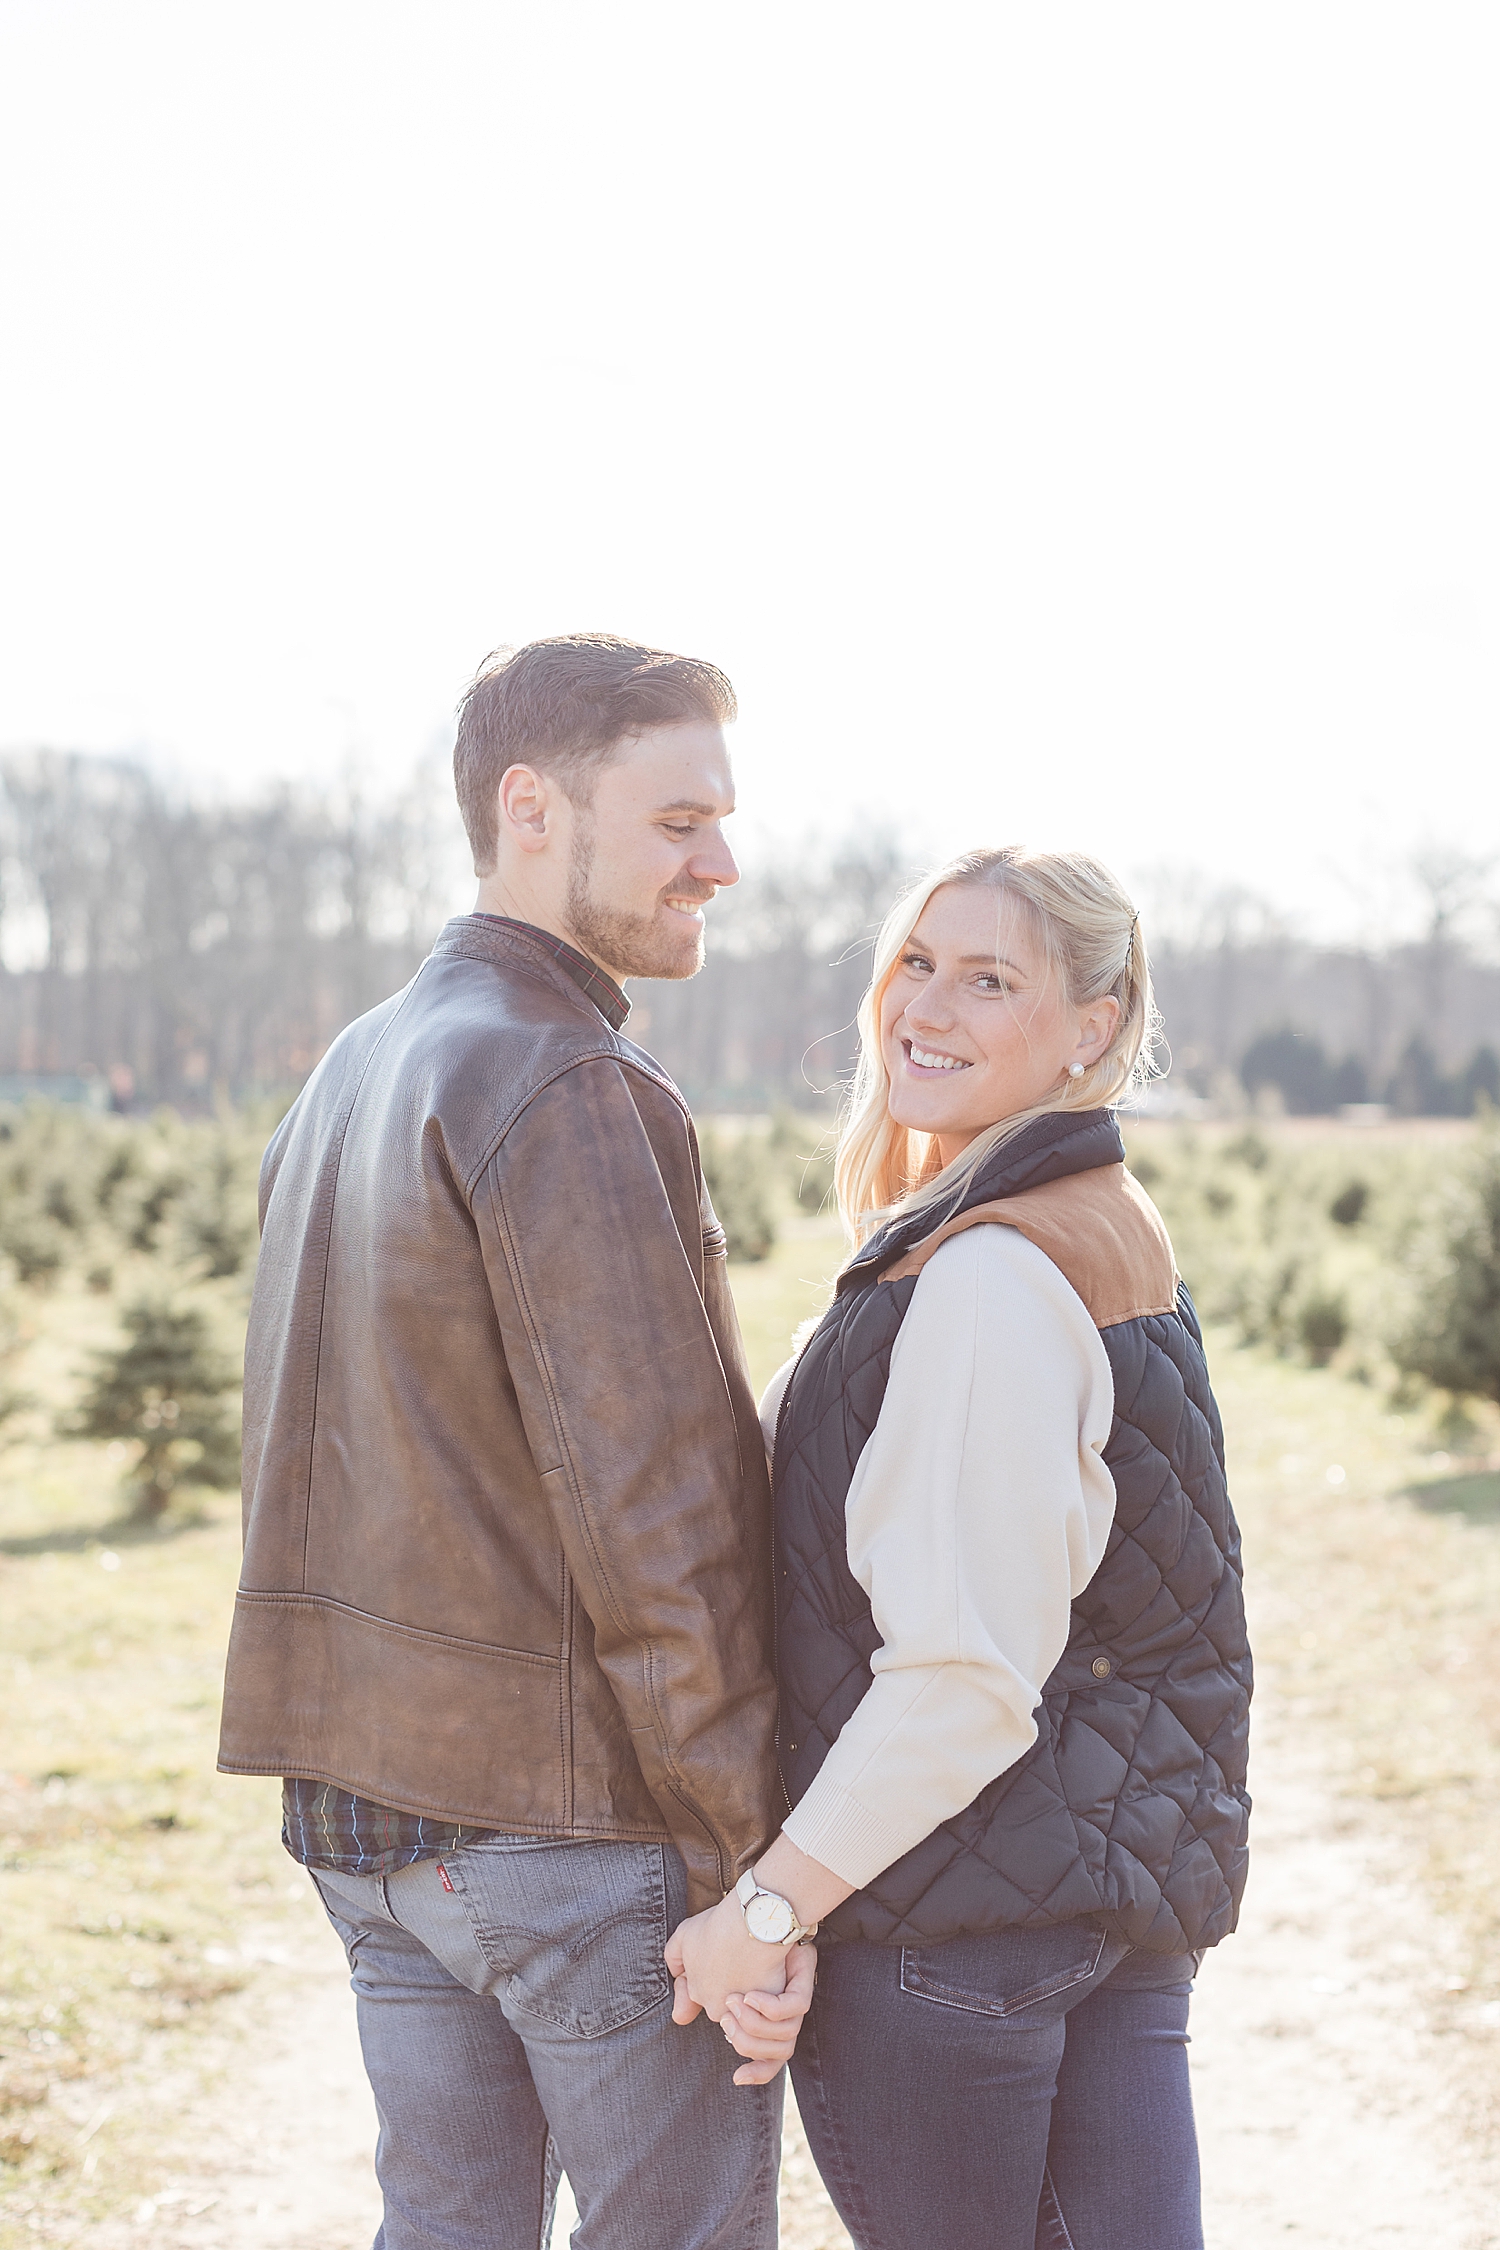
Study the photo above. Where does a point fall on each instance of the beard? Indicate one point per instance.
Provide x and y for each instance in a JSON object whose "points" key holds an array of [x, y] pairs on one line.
{"points": [[634, 944]]}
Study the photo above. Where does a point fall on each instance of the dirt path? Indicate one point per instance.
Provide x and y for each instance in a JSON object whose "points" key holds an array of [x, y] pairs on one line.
{"points": [[1329, 2115]]}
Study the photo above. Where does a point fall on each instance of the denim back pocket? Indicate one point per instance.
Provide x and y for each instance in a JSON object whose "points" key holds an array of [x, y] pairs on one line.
{"points": [[1012, 1973], [576, 1929]]}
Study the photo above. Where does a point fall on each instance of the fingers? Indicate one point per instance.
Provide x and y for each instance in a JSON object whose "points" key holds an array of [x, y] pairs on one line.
{"points": [[755, 2049], [757, 2039], [801, 1974], [763, 2026], [776, 2007], [763, 2014], [684, 2007], [792, 2003]]}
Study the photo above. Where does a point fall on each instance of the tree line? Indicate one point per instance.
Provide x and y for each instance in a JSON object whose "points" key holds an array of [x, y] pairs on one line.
{"points": [[181, 948], [181, 951]]}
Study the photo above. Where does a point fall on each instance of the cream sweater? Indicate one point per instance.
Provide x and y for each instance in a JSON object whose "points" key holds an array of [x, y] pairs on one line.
{"points": [[979, 1509]]}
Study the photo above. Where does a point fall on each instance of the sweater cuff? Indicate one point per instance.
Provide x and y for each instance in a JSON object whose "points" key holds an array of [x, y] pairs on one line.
{"points": [[844, 1836]]}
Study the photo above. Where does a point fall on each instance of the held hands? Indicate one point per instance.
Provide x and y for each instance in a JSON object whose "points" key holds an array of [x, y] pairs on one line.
{"points": [[764, 2026], [758, 1993]]}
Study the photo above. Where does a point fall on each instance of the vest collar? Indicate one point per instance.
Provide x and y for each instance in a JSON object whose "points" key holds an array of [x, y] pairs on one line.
{"points": [[1049, 1148]]}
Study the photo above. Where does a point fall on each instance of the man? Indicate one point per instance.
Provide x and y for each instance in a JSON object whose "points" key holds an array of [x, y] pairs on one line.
{"points": [[504, 1620]]}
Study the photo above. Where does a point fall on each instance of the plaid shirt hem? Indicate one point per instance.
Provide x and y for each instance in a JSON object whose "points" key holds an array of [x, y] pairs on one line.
{"points": [[327, 1827]]}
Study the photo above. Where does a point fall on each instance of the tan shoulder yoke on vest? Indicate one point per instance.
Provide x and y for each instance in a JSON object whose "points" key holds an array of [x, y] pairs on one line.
{"points": [[1099, 1228]]}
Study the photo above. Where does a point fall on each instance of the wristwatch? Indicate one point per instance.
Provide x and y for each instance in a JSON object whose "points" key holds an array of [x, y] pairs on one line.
{"points": [[769, 1916]]}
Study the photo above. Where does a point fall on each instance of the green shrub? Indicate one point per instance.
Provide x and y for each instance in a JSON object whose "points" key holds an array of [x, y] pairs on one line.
{"points": [[804, 1146], [1323, 1324], [35, 1244], [1452, 1338], [738, 1171], [214, 1222], [80, 1191], [46, 1169], [1249, 1148], [1348, 1206], [12, 1340], [1276, 1240], [163, 1392]]}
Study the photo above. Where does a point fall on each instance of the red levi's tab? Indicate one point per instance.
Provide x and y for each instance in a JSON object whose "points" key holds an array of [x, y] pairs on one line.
{"points": [[443, 1876]]}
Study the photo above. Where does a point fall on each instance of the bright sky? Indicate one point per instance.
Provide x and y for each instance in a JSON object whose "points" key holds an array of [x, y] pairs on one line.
{"points": [[1073, 423]]}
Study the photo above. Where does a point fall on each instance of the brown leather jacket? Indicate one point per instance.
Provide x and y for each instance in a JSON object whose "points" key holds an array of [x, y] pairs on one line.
{"points": [[507, 1528]]}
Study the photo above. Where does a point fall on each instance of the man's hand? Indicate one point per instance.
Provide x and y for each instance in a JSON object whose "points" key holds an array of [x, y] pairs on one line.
{"points": [[758, 1993], [713, 1954]]}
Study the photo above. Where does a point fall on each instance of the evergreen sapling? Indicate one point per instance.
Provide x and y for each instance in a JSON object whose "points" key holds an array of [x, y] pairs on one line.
{"points": [[163, 1390]]}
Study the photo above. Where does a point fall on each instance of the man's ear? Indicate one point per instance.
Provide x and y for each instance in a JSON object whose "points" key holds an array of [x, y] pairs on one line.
{"points": [[527, 808]]}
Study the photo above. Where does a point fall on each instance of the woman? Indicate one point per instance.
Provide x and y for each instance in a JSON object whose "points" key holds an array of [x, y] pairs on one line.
{"points": [[1014, 1673]]}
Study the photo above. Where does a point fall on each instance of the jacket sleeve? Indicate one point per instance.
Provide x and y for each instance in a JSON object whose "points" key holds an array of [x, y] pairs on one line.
{"points": [[588, 1215]]}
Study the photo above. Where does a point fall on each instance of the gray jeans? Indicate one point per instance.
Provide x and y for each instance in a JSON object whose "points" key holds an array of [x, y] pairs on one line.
{"points": [[516, 2018]]}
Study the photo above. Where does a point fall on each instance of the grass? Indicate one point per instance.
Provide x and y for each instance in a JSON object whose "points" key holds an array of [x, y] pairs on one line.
{"points": [[1476, 1498], [139, 1888], [134, 1878], [775, 1296]]}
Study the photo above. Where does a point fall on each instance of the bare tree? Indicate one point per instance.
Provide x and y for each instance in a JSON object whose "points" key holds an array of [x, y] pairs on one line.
{"points": [[207, 946]]}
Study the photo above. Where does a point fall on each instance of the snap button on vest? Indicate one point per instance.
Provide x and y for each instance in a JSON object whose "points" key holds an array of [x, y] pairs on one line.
{"points": [[1101, 1667]]}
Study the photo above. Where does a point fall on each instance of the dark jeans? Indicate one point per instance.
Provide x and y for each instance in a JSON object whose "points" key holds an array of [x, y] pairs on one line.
{"points": [[1022, 2091], [516, 2015]]}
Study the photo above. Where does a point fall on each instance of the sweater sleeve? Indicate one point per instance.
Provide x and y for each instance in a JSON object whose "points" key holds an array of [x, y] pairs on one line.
{"points": [[978, 1511]]}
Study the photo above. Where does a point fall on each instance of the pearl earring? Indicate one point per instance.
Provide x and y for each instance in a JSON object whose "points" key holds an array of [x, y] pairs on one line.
{"points": [[1075, 1070]]}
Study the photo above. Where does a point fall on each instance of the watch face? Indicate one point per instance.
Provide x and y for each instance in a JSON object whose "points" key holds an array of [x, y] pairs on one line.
{"points": [[770, 1918]]}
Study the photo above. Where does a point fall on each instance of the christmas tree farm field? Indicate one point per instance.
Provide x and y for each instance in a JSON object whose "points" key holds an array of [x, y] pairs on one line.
{"points": [[145, 1903]]}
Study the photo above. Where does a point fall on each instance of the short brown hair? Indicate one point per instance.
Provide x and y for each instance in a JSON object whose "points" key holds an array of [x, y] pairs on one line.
{"points": [[565, 706]]}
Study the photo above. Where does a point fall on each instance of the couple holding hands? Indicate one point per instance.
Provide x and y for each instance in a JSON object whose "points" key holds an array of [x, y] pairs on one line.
{"points": [[919, 1763]]}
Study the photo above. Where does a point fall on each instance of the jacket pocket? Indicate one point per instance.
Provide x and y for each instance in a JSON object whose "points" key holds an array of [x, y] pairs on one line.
{"points": [[1038, 1974], [576, 1931]]}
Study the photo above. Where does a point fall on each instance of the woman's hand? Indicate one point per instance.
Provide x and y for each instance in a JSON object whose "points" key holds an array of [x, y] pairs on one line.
{"points": [[764, 2026]]}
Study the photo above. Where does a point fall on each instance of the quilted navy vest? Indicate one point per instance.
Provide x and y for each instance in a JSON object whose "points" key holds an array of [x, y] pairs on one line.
{"points": [[1131, 1804]]}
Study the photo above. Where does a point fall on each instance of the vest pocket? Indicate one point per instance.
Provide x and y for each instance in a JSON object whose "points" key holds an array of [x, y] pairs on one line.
{"points": [[1009, 1973]]}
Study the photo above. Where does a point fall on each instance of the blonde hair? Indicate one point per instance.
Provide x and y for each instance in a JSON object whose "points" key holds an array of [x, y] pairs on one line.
{"points": [[1091, 939]]}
